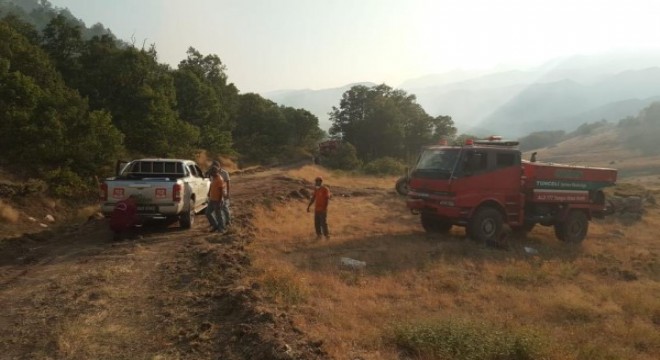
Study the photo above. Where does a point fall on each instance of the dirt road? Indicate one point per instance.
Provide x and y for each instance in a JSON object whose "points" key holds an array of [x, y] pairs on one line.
{"points": [[73, 293]]}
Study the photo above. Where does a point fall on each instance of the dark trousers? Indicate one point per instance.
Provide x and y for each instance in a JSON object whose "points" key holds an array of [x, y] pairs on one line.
{"points": [[321, 223]]}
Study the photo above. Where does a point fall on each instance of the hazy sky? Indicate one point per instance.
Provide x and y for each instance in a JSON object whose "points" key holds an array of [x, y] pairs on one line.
{"points": [[295, 44]]}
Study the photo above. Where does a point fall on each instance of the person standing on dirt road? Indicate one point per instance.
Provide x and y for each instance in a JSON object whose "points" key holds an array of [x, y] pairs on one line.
{"points": [[226, 213], [321, 197], [216, 191], [225, 199]]}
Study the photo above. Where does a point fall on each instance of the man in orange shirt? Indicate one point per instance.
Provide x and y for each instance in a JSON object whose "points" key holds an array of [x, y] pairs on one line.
{"points": [[321, 197], [215, 201]]}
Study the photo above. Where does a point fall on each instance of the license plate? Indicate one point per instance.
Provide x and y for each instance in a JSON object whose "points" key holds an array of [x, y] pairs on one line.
{"points": [[147, 208]]}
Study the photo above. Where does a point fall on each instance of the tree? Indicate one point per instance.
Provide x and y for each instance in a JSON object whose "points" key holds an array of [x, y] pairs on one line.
{"points": [[443, 128], [261, 131], [45, 124], [140, 94], [380, 121], [62, 40], [204, 99], [304, 125]]}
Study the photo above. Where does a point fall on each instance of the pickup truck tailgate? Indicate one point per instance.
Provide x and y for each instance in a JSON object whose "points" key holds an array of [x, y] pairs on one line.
{"points": [[153, 194]]}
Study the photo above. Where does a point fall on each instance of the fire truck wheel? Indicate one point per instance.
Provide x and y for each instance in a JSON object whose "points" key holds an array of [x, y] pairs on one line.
{"points": [[486, 225], [402, 186], [432, 224], [574, 229]]}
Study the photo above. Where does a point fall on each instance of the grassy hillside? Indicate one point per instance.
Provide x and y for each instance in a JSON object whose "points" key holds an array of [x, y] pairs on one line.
{"points": [[426, 296], [604, 148]]}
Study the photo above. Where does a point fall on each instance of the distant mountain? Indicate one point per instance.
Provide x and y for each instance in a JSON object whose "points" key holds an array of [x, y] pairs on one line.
{"points": [[558, 95], [559, 105], [318, 102], [612, 112], [39, 13]]}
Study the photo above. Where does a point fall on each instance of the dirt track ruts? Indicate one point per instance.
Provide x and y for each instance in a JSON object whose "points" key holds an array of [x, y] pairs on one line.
{"points": [[171, 294]]}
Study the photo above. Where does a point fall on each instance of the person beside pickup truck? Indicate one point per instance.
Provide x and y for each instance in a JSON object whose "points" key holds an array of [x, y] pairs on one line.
{"points": [[216, 193], [124, 217], [226, 212]]}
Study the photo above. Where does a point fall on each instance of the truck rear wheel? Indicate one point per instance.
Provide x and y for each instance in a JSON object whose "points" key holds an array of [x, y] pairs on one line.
{"points": [[574, 229], [402, 186], [433, 224], [486, 225], [187, 219]]}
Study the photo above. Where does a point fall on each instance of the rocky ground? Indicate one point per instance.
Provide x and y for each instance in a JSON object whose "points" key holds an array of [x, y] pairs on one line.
{"points": [[71, 292]]}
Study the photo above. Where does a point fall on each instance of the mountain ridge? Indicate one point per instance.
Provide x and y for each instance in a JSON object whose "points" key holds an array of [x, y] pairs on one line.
{"points": [[556, 95]]}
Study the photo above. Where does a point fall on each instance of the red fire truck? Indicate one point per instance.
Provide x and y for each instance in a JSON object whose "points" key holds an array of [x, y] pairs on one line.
{"points": [[485, 184]]}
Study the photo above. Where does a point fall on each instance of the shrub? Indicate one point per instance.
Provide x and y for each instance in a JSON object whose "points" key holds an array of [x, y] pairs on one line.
{"points": [[65, 183], [385, 166], [345, 158], [284, 287], [460, 339]]}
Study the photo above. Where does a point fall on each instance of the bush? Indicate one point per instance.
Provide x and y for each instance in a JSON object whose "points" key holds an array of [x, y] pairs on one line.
{"points": [[459, 339], [65, 183], [285, 287], [385, 166], [344, 159]]}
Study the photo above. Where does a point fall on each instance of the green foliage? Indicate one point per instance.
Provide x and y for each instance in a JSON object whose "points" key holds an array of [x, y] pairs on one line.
{"points": [[467, 340], [345, 158], [62, 40], [380, 121], [205, 100], [63, 182], [385, 166], [34, 186], [45, 123], [265, 131], [73, 99]]}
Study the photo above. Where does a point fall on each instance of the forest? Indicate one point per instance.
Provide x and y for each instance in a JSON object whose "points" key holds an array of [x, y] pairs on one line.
{"points": [[75, 99]]}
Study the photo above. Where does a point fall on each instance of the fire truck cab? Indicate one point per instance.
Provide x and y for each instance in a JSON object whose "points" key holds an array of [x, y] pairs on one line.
{"points": [[485, 184]]}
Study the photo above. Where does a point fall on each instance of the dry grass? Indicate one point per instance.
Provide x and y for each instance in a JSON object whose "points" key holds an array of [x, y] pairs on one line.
{"points": [[597, 301], [85, 212], [343, 179], [205, 161], [8, 214]]}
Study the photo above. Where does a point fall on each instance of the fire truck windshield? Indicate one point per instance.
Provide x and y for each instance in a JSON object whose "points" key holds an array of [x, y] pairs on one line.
{"points": [[437, 163]]}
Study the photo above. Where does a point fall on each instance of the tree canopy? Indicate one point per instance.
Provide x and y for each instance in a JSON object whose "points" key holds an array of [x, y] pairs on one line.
{"points": [[73, 100], [380, 121]]}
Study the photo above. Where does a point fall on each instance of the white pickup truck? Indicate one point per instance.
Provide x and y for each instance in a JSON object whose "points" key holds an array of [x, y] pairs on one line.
{"points": [[165, 188]]}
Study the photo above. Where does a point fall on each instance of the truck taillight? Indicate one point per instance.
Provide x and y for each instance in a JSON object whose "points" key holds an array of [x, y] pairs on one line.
{"points": [[103, 192], [176, 193]]}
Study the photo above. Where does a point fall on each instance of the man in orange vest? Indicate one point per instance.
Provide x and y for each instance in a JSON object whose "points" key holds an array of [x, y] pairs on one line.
{"points": [[321, 197], [216, 191]]}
